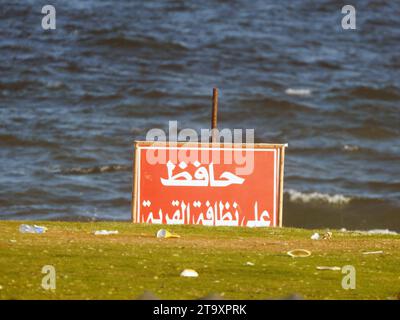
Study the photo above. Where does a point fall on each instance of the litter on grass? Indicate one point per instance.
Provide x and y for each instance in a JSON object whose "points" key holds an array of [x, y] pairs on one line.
{"points": [[315, 236], [105, 232], [248, 263], [162, 233], [26, 228], [329, 268], [299, 253], [189, 273], [327, 236], [373, 252]]}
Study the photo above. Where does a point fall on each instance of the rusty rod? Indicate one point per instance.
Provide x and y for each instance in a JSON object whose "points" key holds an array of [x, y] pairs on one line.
{"points": [[214, 114]]}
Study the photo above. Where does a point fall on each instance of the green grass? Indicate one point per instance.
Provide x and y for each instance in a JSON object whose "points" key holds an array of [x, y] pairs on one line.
{"points": [[123, 266]]}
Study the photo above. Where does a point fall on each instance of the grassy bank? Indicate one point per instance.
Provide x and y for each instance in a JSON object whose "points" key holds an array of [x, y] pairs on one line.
{"points": [[125, 265]]}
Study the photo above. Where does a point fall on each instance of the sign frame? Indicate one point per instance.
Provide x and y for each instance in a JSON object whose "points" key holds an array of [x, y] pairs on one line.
{"points": [[135, 169]]}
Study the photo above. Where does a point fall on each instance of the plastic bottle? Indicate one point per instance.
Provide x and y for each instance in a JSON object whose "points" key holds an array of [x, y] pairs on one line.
{"points": [[25, 228]]}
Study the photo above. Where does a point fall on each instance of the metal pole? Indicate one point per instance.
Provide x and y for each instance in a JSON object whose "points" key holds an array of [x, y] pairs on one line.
{"points": [[214, 115]]}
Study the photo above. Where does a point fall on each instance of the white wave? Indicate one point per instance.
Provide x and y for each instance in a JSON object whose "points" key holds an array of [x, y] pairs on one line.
{"points": [[381, 231], [54, 84], [372, 231], [298, 196], [89, 170], [350, 148], [298, 92]]}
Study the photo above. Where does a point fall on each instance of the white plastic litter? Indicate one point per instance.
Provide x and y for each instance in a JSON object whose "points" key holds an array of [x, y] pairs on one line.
{"points": [[162, 233], [105, 232], [248, 263], [373, 252], [189, 273], [329, 268], [299, 253], [26, 228], [315, 236]]}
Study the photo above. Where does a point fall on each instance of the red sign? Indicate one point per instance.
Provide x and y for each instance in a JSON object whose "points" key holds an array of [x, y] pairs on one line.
{"points": [[208, 184]]}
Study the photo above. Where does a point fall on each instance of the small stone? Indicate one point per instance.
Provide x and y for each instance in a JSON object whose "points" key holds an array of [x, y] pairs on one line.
{"points": [[212, 296], [147, 295]]}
